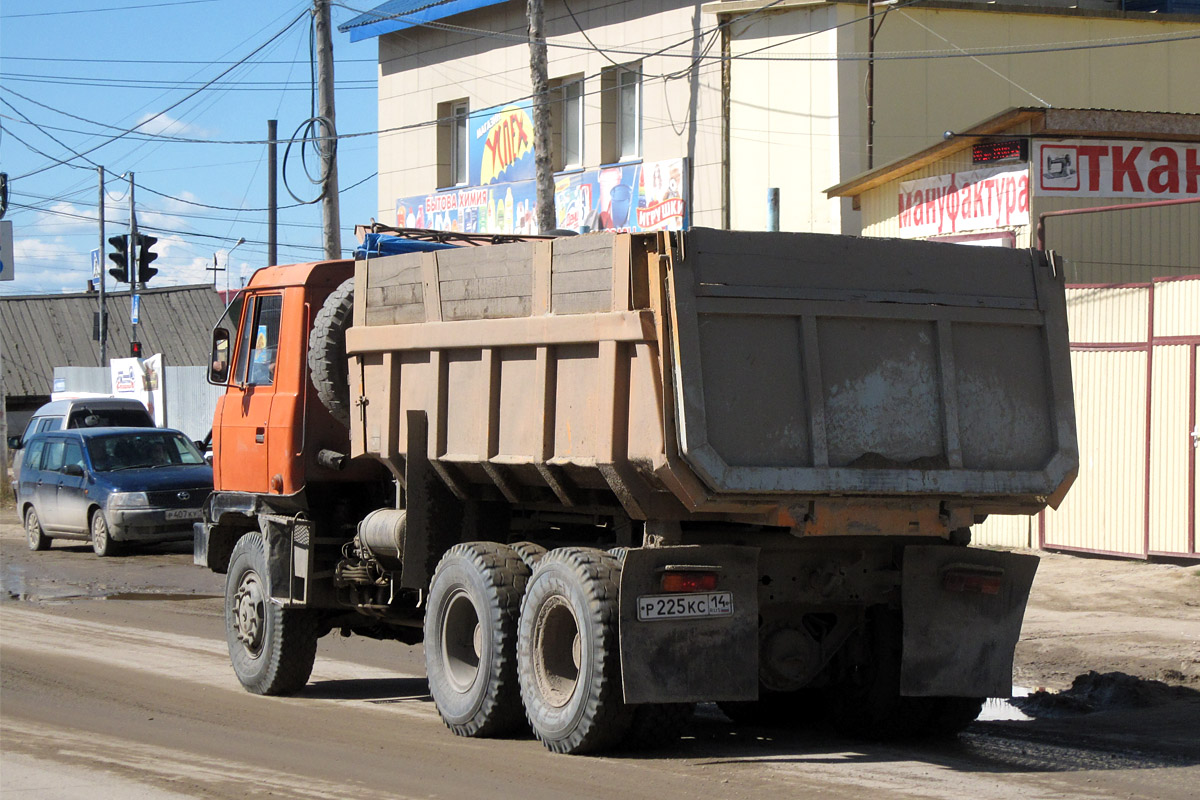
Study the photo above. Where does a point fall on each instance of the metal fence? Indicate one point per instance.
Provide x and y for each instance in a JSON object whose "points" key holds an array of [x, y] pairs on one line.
{"points": [[1135, 359]]}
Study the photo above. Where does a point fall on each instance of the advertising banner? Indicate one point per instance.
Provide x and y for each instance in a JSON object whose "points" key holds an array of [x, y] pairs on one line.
{"points": [[500, 146], [1117, 168], [141, 380], [982, 199], [647, 196]]}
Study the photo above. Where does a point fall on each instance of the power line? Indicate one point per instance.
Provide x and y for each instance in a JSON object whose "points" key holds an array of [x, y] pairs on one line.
{"points": [[100, 10], [832, 57], [173, 61], [139, 84], [180, 102]]}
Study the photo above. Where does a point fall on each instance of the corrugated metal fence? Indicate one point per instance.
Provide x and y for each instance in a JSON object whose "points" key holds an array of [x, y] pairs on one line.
{"points": [[1135, 355], [190, 398]]}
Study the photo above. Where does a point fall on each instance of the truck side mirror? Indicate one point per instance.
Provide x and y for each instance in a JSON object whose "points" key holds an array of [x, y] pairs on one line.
{"points": [[218, 371], [73, 469], [15, 443]]}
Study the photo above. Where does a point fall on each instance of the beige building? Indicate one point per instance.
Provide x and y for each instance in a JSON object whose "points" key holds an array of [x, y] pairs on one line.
{"points": [[672, 113]]}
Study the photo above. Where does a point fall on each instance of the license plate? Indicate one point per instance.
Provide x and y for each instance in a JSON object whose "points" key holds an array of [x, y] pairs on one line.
{"points": [[184, 513], [684, 606]]}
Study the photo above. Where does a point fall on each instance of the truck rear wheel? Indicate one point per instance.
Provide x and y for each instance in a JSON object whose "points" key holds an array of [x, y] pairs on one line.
{"points": [[327, 351], [870, 705], [471, 638], [568, 652], [272, 648], [949, 716]]}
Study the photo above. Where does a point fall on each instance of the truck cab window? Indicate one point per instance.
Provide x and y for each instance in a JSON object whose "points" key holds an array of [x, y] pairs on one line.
{"points": [[260, 341]]}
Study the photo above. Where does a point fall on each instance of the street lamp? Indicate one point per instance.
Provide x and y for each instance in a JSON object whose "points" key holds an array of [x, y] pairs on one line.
{"points": [[241, 241]]}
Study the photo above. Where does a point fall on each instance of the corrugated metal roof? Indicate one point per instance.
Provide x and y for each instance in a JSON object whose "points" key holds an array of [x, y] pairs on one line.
{"points": [[399, 14], [41, 332]]}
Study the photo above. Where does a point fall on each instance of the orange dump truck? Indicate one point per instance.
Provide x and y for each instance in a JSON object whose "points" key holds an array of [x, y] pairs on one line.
{"points": [[606, 477]]}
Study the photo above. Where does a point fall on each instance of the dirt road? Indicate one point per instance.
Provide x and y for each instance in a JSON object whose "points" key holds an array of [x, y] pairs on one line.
{"points": [[116, 683]]}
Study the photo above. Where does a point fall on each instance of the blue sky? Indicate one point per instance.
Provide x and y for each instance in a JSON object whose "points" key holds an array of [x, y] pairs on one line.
{"points": [[75, 73]]}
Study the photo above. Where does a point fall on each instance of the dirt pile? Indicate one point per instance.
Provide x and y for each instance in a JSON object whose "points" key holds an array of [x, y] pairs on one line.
{"points": [[1110, 691]]}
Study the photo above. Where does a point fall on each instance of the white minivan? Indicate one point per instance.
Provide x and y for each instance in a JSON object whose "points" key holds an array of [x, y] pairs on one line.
{"points": [[80, 412]]}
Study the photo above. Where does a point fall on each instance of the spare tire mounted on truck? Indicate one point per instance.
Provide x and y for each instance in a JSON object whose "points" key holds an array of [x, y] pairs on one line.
{"points": [[327, 351]]}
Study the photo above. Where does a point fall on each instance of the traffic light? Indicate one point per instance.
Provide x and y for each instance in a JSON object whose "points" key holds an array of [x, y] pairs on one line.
{"points": [[144, 257], [120, 257], [135, 349]]}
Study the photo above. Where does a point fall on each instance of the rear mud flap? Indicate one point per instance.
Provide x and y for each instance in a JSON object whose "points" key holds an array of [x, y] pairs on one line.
{"points": [[963, 609], [694, 659]]}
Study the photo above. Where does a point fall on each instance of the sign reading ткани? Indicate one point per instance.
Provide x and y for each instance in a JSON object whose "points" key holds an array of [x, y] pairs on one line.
{"points": [[1107, 168], [998, 197]]}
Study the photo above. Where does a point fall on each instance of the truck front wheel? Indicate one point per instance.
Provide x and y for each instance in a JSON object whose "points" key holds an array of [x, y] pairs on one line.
{"points": [[272, 648], [568, 652], [471, 638]]}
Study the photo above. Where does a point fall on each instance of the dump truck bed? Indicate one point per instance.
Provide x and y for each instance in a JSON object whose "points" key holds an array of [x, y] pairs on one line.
{"points": [[785, 378]]}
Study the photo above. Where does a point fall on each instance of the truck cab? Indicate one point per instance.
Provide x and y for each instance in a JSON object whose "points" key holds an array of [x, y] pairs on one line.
{"points": [[276, 447]]}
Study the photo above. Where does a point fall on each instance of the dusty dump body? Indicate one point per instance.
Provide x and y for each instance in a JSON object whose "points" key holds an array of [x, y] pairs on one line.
{"points": [[606, 477], [727, 375]]}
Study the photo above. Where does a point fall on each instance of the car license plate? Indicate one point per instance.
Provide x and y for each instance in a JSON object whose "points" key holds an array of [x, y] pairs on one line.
{"points": [[684, 606], [184, 513]]}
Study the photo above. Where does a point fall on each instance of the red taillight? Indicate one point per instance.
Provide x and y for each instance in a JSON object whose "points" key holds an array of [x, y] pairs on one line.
{"points": [[967, 581], [682, 582]]}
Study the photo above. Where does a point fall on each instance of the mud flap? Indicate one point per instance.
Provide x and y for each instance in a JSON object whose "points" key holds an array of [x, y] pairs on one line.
{"points": [[289, 557], [694, 659], [963, 609]]}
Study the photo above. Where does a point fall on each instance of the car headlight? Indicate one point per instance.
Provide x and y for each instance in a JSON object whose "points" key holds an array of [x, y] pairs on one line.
{"points": [[128, 500]]}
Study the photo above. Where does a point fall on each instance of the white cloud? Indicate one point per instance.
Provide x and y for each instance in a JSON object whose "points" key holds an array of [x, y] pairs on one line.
{"points": [[168, 126]]}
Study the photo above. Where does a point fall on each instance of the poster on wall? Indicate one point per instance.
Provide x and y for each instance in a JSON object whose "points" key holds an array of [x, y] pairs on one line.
{"points": [[647, 196], [500, 145], [1117, 168], [141, 380], [960, 202]]}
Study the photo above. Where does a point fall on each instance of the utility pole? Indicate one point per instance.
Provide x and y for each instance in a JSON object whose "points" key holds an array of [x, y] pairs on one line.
{"points": [[103, 308], [272, 195], [546, 218], [870, 84], [331, 222]]}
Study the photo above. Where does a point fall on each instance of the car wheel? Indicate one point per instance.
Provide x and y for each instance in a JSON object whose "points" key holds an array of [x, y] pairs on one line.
{"points": [[102, 541], [37, 538]]}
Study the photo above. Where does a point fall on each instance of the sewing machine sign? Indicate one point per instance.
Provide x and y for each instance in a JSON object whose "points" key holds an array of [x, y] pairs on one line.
{"points": [[1117, 168]]}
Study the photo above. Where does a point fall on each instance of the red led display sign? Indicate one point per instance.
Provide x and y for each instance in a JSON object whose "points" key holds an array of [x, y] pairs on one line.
{"points": [[1008, 150]]}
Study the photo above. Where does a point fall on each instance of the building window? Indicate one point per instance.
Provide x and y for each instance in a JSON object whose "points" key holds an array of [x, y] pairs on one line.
{"points": [[569, 124], [621, 113], [629, 114], [452, 143]]}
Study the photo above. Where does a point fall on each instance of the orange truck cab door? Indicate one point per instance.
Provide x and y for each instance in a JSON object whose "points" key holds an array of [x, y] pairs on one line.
{"points": [[260, 418], [245, 418]]}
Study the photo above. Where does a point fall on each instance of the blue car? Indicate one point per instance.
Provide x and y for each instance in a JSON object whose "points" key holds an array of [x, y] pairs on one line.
{"points": [[111, 486]]}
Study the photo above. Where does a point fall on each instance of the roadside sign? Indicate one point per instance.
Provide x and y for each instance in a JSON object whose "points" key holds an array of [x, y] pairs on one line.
{"points": [[7, 272], [96, 263], [135, 308]]}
